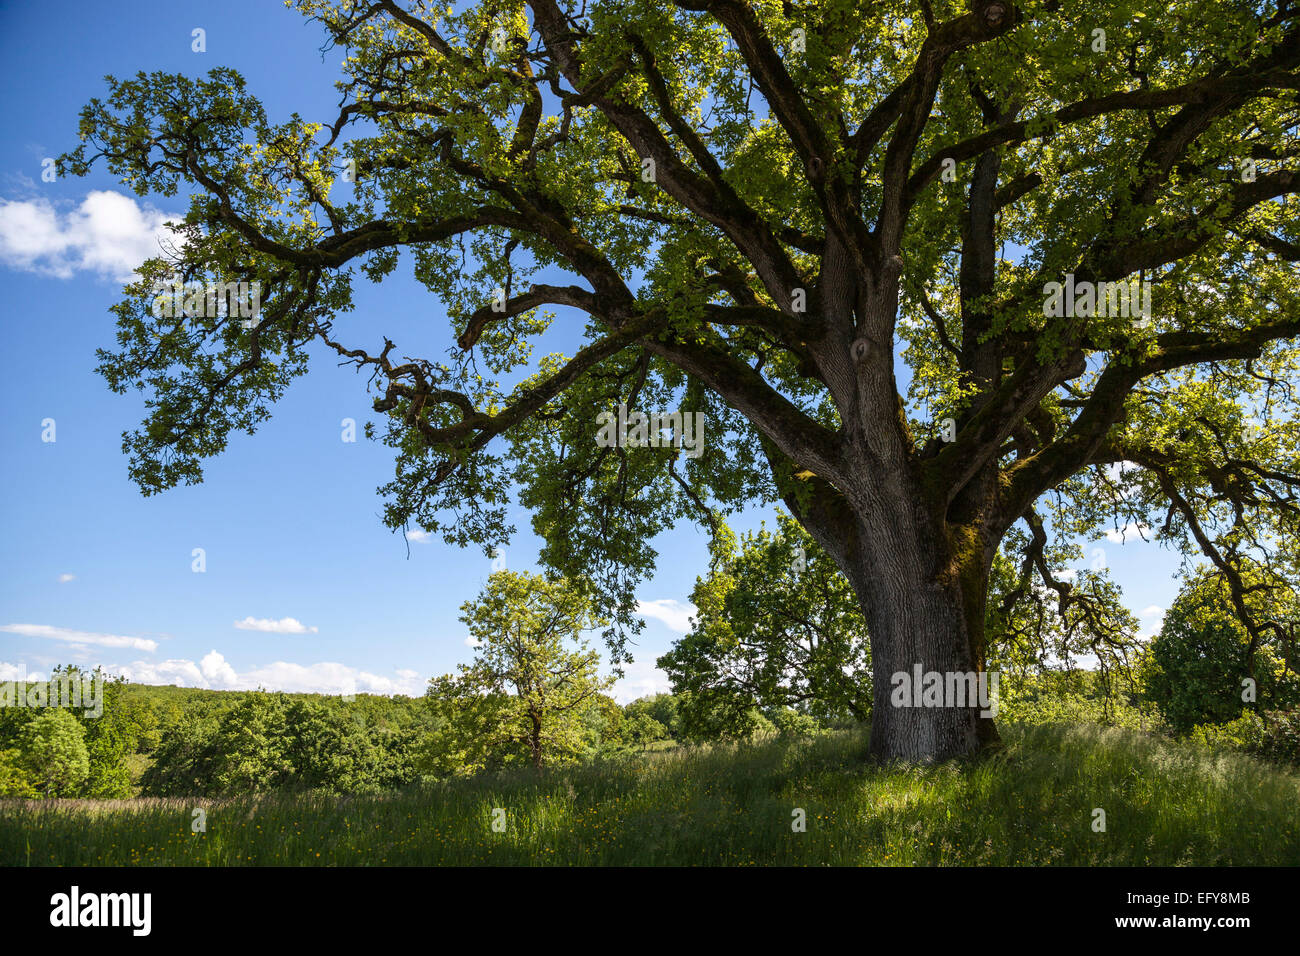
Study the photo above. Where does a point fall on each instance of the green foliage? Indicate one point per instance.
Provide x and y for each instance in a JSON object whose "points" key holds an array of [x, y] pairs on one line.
{"points": [[706, 716], [777, 626], [269, 742], [1075, 697], [1202, 657], [793, 723], [526, 695], [112, 737], [1280, 738], [251, 747], [184, 762], [663, 709], [54, 753], [1244, 734], [15, 780], [1274, 736]]}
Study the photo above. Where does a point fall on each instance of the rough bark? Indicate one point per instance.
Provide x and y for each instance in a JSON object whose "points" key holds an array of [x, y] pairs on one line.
{"points": [[921, 588]]}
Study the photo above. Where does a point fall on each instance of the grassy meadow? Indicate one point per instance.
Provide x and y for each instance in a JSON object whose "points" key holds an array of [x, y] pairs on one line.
{"points": [[1030, 804]]}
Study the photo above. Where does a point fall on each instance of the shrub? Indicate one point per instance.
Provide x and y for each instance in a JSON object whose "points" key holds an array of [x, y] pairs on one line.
{"points": [[54, 753], [1280, 740], [15, 781], [1244, 733], [792, 723]]}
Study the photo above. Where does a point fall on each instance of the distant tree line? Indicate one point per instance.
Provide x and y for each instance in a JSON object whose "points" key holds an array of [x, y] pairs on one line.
{"points": [[776, 647]]}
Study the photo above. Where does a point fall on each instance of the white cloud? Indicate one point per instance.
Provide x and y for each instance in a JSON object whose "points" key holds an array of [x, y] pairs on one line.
{"points": [[18, 672], [65, 578], [1116, 471], [1156, 620], [108, 234], [214, 672], [1130, 532], [180, 672], [80, 637], [640, 679], [472, 642], [215, 669], [676, 614], [419, 537], [328, 677], [286, 625]]}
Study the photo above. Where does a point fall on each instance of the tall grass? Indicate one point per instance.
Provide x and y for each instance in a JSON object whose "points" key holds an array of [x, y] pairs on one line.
{"points": [[1031, 804]]}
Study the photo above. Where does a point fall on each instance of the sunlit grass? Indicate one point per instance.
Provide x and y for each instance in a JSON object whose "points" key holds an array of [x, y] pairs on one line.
{"points": [[1032, 804]]}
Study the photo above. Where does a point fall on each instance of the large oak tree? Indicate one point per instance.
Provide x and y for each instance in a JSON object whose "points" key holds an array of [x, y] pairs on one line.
{"points": [[755, 205]]}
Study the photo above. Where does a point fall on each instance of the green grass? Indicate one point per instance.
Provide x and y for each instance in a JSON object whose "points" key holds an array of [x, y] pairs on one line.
{"points": [[1031, 804]]}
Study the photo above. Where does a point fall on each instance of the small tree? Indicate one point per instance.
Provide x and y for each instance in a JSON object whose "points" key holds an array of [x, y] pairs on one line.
{"points": [[54, 752], [1197, 665], [777, 625], [526, 692], [185, 759], [252, 746]]}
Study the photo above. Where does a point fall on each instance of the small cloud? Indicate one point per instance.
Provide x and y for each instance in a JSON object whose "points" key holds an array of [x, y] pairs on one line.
{"points": [[286, 625], [65, 578], [406, 673], [675, 614], [419, 537], [1129, 532], [183, 673], [81, 637], [1116, 471], [472, 642], [108, 234], [327, 677], [1154, 620]]}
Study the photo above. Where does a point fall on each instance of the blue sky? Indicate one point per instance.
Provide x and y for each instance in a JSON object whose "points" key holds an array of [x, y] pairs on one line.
{"points": [[304, 589]]}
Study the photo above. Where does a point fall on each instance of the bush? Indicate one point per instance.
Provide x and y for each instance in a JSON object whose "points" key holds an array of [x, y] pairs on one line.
{"points": [[15, 781], [54, 753], [1244, 733], [1280, 740], [1200, 660], [272, 742], [1275, 736], [792, 723], [1073, 697]]}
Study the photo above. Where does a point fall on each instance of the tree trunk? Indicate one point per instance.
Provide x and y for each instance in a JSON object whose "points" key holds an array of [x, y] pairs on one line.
{"points": [[535, 738], [923, 595], [917, 628], [917, 558]]}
